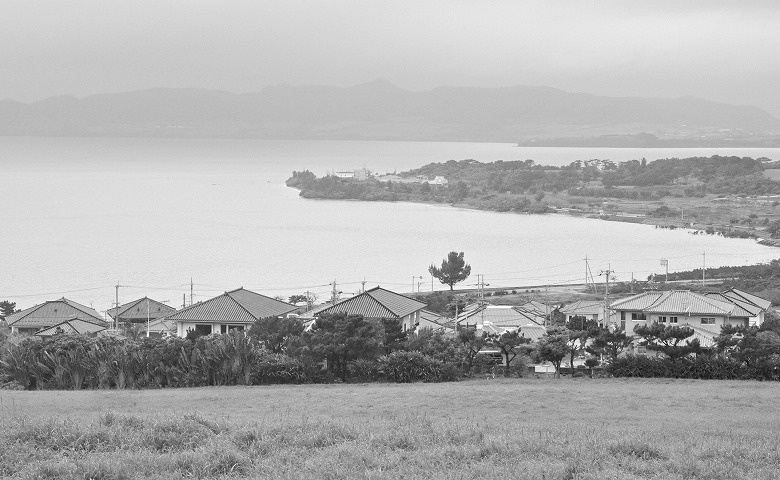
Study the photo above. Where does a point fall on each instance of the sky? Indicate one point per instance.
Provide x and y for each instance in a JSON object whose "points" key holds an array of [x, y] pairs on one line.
{"points": [[712, 49]]}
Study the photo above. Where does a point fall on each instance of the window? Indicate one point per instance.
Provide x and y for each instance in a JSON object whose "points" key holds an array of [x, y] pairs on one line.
{"points": [[203, 329], [622, 315], [230, 328], [637, 316], [661, 319], [708, 320], [672, 319]]}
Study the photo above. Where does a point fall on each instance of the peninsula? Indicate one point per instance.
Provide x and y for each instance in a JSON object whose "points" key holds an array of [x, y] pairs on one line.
{"points": [[729, 196]]}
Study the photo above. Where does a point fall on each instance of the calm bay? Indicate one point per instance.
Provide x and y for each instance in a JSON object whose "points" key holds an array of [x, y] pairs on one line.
{"points": [[81, 215]]}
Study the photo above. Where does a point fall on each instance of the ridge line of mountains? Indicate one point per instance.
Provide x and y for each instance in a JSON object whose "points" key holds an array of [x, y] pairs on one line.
{"points": [[379, 110]]}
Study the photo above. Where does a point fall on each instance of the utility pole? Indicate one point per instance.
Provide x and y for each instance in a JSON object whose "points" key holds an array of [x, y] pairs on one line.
{"points": [[414, 279], [116, 315], [665, 263], [703, 265], [334, 294], [363, 289], [192, 289], [183, 300], [607, 273]]}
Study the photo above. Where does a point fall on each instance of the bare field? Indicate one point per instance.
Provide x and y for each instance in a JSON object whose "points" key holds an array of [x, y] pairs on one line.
{"points": [[529, 428]]}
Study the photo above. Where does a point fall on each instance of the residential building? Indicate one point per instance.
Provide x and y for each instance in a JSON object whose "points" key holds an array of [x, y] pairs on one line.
{"points": [[500, 318], [51, 313], [378, 303], [705, 314], [73, 325], [233, 310], [590, 309], [142, 310], [438, 180], [436, 322]]}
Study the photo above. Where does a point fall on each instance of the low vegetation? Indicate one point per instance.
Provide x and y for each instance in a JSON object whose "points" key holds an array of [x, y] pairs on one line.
{"points": [[526, 429]]}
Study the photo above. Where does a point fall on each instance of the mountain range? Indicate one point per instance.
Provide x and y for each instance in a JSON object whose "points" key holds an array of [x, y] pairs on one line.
{"points": [[380, 110]]}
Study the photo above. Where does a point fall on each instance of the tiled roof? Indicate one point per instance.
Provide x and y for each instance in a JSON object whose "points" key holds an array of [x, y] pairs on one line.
{"points": [[162, 325], [533, 306], [137, 310], [498, 315], [73, 325], [762, 303], [534, 332], [433, 320], [584, 307], [743, 309], [237, 306], [637, 302], [706, 337], [376, 303], [682, 301], [53, 312]]}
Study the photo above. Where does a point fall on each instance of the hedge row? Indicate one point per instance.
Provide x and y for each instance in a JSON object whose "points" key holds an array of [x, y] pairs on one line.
{"points": [[700, 367], [77, 362]]}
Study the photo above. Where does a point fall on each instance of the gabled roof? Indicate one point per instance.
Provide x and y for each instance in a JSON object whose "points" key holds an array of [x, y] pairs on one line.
{"points": [[762, 303], [583, 307], [535, 307], [435, 321], [73, 326], [743, 309], [162, 324], [534, 332], [689, 303], [376, 303], [236, 306], [498, 315], [53, 312], [638, 302], [138, 309]]}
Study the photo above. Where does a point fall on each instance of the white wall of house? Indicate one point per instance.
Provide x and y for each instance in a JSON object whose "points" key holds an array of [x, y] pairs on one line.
{"points": [[183, 327]]}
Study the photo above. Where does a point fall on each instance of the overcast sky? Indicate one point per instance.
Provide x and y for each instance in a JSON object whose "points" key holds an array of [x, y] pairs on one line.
{"points": [[723, 51]]}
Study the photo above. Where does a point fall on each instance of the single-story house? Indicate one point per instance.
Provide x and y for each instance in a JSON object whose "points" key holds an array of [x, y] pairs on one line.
{"points": [[591, 310], [51, 313], [705, 314], [73, 325], [234, 310], [140, 311], [500, 316], [538, 309], [436, 322], [750, 308], [378, 303]]}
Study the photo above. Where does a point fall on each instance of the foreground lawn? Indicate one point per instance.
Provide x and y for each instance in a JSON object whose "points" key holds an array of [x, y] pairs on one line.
{"points": [[566, 429]]}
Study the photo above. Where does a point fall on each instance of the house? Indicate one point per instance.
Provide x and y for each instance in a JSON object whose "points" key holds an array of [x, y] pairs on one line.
{"points": [[498, 318], [705, 314], [378, 303], [345, 174], [161, 327], [438, 180], [142, 310], [74, 325], [591, 310], [233, 310], [750, 308], [436, 322], [51, 313], [538, 309]]}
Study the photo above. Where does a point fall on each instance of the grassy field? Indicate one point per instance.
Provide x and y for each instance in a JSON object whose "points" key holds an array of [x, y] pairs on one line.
{"points": [[529, 428]]}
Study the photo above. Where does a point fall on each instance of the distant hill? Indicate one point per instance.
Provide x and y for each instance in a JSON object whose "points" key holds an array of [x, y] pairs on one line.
{"points": [[382, 111]]}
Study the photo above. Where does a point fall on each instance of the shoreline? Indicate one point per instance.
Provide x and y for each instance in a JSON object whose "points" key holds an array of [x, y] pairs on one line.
{"points": [[624, 216]]}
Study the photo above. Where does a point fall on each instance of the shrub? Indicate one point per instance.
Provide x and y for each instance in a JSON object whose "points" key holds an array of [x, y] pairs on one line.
{"points": [[408, 367]]}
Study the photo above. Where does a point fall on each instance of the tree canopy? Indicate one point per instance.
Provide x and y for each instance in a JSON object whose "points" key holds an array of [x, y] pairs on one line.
{"points": [[454, 269]]}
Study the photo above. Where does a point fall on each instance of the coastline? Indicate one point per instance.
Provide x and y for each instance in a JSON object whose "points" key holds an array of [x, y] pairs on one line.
{"points": [[628, 214]]}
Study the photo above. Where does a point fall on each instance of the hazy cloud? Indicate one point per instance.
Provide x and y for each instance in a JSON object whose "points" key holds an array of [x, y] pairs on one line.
{"points": [[718, 50]]}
